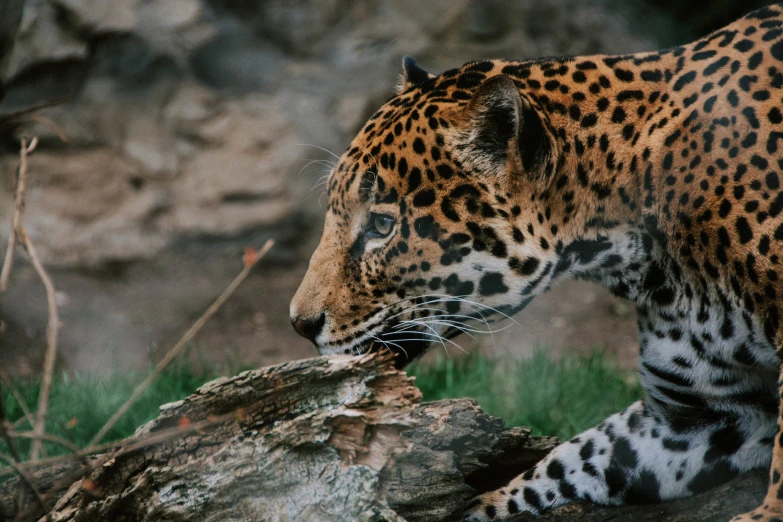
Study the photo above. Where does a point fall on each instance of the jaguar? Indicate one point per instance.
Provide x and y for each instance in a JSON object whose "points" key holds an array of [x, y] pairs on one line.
{"points": [[657, 175]]}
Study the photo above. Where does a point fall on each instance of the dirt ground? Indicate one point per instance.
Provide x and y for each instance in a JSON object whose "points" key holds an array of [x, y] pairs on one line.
{"points": [[129, 316]]}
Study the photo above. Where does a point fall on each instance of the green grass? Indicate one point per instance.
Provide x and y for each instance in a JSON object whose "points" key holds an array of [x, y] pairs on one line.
{"points": [[555, 398], [80, 405], [561, 398]]}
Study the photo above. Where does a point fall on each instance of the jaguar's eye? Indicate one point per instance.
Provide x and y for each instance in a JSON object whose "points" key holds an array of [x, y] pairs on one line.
{"points": [[380, 225]]}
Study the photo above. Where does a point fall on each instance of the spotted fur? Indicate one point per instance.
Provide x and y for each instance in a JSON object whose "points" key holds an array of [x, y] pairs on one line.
{"points": [[658, 175]]}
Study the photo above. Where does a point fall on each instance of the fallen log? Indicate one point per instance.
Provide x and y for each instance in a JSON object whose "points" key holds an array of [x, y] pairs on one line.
{"points": [[339, 438]]}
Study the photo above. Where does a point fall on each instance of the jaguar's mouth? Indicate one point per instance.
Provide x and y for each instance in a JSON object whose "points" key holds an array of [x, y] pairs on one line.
{"points": [[410, 346], [409, 334], [405, 351]]}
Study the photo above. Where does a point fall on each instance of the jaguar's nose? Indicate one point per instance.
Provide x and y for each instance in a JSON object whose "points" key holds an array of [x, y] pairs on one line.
{"points": [[309, 327]]}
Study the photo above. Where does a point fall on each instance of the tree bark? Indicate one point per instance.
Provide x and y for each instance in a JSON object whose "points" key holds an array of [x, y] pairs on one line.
{"points": [[338, 438]]}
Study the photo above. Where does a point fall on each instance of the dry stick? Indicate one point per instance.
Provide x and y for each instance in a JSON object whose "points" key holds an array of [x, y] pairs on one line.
{"points": [[82, 454], [46, 122], [51, 341], [177, 348], [60, 459], [19, 399], [21, 113], [124, 447], [128, 444], [21, 187], [121, 448], [4, 430], [29, 483], [73, 448], [133, 443]]}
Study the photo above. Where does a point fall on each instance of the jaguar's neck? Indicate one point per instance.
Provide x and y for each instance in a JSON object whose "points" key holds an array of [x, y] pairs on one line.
{"points": [[610, 119], [606, 115]]}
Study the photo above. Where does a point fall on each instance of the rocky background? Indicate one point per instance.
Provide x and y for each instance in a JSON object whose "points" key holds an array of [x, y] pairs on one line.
{"points": [[197, 127]]}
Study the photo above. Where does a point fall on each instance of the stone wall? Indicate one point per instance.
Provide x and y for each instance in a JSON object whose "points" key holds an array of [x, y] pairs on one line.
{"points": [[186, 118]]}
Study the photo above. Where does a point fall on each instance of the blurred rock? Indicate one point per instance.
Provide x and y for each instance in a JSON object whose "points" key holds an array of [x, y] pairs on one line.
{"points": [[191, 104], [111, 223], [11, 17], [151, 144], [185, 115], [351, 112], [102, 16], [298, 25], [239, 178], [168, 15], [238, 62], [434, 17], [486, 19]]}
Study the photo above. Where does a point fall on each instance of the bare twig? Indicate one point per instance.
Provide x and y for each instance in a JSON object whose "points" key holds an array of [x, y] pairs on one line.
{"points": [[18, 233], [38, 435], [73, 448], [19, 399], [29, 483], [21, 187], [47, 122], [82, 454], [21, 420], [122, 448], [51, 341], [128, 444], [134, 442], [4, 431], [250, 262], [43, 463], [21, 113]]}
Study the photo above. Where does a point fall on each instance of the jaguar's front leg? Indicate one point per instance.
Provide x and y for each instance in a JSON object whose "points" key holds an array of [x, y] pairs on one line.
{"points": [[771, 510], [633, 457]]}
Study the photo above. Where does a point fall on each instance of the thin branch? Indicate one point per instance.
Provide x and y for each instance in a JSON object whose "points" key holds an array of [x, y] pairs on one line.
{"points": [[21, 187], [47, 122], [21, 113], [4, 427], [250, 261], [21, 420], [73, 448], [133, 442], [29, 483], [51, 341], [19, 399], [122, 448], [60, 459]]}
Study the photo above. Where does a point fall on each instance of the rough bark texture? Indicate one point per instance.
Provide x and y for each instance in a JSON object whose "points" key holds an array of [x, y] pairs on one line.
{"points": [[338, 438]]}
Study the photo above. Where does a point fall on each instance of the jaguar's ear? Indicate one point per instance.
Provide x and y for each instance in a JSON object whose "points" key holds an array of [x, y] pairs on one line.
{"points": [[412, 74], [505, 130]]}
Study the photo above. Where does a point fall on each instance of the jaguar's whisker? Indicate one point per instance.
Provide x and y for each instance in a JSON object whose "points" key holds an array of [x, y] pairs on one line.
{"points": [[320, 148]]}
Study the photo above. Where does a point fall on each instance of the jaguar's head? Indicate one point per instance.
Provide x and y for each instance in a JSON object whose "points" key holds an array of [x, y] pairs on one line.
{"points": [[438, 213]]}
